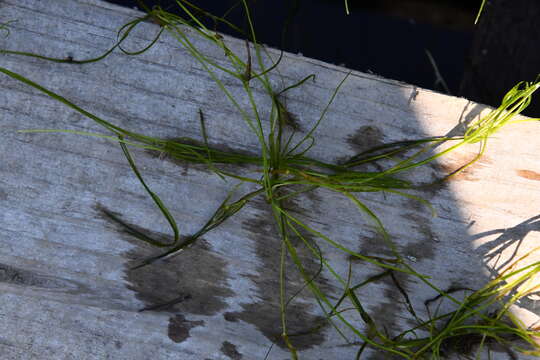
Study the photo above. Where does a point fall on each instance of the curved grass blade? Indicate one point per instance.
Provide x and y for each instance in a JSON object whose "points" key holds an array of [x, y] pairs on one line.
{"points": [[482, 5], [5, 27], [129, 26], [325, 110], [155, 198], [223, 212]]}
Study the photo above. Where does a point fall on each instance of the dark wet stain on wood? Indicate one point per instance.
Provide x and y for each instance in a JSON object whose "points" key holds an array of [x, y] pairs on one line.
{"points": [[363, 142], [265, 313], [230, 350], [305, 203], [393, 287], [365, 138], [374, 245], [179, 328], [193, 282], [527, 174], [13, 275], [394, 305], [197, 278], [424, 247], [385, 314]]}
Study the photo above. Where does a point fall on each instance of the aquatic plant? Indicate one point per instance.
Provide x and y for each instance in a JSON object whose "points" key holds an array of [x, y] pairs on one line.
{"points": [[287, 171]]}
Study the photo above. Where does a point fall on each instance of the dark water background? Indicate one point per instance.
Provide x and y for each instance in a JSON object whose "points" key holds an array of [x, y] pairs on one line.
{"points": [[388, 38]]}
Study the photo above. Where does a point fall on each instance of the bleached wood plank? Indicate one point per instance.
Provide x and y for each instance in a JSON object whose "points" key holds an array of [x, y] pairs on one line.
{"points": [[66, 291]]}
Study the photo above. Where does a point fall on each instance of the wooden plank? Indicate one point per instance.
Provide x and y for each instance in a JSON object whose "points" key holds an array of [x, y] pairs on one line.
{"points": [[66, 291]]}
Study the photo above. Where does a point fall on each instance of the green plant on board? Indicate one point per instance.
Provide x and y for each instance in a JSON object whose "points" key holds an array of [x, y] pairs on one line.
{"points": [[288, 171], [480, 11]]}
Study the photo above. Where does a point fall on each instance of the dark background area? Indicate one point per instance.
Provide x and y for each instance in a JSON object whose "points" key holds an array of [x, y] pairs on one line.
{"points": [[390, 38]]}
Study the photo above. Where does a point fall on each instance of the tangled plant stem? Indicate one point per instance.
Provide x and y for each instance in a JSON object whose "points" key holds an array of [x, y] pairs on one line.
{"points": [[287, 172]]}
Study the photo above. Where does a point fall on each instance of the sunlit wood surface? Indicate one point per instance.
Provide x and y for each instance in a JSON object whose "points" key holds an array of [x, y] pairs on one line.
{"points": [[65, 288]]}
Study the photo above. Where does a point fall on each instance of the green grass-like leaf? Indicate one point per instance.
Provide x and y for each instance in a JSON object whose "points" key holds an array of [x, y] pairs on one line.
{"points": [[287, 172]]}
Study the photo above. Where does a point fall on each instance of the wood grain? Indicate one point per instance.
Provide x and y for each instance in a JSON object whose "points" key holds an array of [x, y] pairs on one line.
{"points": [[66, 291]]}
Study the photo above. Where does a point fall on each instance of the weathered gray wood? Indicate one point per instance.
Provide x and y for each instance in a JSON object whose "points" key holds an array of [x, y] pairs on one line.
{"points": [[66, 292]]}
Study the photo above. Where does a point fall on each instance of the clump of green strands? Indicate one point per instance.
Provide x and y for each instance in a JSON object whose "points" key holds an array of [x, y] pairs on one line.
{"points": [[286, 171]]}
